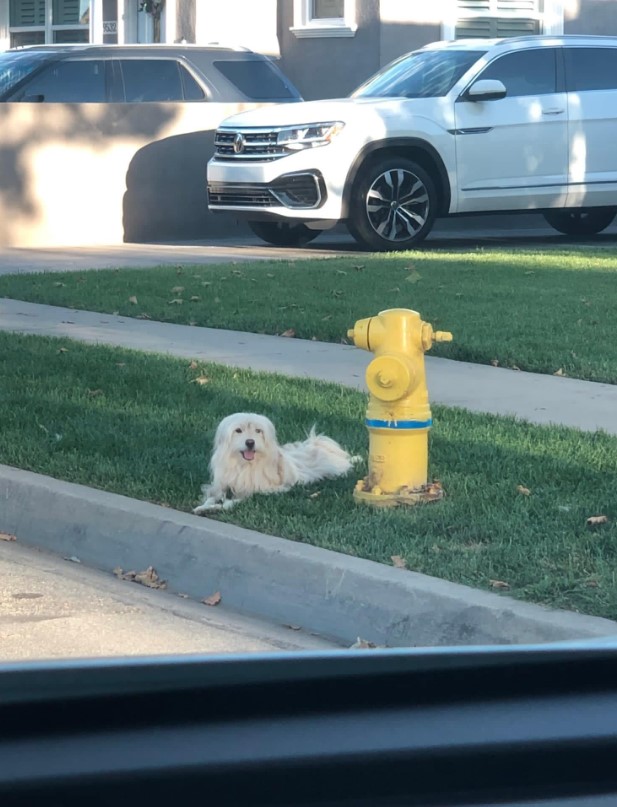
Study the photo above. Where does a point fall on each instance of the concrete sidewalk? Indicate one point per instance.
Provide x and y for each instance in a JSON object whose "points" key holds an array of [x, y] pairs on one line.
{"points": [[537, 398]]}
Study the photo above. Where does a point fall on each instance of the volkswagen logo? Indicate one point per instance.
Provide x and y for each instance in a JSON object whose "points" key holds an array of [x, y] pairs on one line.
{"points": [[239, 143]]}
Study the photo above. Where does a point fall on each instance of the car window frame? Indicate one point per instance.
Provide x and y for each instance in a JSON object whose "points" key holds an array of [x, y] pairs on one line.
{"points": [[558, 52], [568, 72], [180, 64], [48, 65]]}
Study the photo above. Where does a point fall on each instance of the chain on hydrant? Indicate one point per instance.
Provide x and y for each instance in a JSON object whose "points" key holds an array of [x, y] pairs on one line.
{"points": [[398, 417]]}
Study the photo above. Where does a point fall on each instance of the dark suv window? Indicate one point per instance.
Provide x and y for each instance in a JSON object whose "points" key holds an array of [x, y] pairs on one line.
{"points": [[151, 80], [255, 79], [525, 72], [79, 82], [591, 69]]}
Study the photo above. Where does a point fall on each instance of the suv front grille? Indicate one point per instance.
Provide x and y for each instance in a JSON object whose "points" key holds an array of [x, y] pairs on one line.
{"points": [[254, 144], [293, 190], [232, 194]]}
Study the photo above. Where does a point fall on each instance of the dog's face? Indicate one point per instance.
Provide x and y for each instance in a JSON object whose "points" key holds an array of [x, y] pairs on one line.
{"points": [[245, 436]]}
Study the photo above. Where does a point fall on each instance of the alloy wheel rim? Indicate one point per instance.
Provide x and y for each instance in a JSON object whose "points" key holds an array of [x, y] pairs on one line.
{"points": [[397, 205]]}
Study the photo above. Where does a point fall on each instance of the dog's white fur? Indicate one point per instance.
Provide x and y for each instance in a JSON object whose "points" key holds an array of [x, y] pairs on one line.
{"points": [[240, 469]]}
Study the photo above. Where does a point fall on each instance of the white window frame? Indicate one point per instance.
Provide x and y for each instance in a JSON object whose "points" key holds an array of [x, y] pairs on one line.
{"points": [[551, 19], [305, 25], [48, 28]]}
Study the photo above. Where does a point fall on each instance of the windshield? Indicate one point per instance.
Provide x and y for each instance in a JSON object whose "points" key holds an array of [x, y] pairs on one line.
{"points": [[422, 74], [15, 66]]}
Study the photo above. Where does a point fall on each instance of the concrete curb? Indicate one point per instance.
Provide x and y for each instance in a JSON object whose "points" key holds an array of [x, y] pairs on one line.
{"points": [[324, 592]]}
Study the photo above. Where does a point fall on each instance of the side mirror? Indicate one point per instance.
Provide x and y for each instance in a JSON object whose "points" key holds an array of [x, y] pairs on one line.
{"points": [[488, 89]]}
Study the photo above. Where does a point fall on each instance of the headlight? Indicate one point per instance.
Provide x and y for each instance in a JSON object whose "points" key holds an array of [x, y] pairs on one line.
{"points": [[297, 138]]}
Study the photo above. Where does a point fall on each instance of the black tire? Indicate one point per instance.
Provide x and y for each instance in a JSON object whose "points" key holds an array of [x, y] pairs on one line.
{"points": [[393, 205], [580, 222], [283, 233]]}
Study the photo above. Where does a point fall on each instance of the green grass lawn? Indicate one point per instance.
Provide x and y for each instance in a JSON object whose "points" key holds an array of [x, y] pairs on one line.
{"points": [[542, 311], [139, 425]]}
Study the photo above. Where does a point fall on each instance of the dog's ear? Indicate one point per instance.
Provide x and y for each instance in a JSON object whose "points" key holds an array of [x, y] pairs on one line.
{"points": [[269, 432]]}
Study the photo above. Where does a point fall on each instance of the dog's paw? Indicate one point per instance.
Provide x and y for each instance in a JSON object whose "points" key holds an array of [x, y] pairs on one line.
{"points": [[208, 507]]}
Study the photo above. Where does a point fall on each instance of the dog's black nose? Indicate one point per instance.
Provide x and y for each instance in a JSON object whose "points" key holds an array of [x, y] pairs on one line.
{"points": [[250, 443]]}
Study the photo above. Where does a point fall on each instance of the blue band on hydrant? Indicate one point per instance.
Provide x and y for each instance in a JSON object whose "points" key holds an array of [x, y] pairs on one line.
{"points": [[399, 424]]}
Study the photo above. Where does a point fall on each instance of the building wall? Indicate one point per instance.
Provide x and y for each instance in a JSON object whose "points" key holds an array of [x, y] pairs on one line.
{"points": [[591, 17], [327, 67], [79, 174]]}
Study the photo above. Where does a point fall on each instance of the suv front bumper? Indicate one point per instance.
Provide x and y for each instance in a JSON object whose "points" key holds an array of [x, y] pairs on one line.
{"points": [[290, 188]]}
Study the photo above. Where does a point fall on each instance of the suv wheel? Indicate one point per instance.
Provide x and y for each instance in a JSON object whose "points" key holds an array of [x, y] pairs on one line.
{"points": [[393, 205], [283, 233], [580, 222]]}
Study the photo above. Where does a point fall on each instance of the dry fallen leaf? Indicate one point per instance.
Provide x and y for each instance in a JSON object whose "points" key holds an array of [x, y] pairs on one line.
{"points": [[201, 380], [515, 367], [59, 284], [293, 627], [73, 559], [359, 267], [523, 490], [63, 350], [341, 272], [499, 584], [362, 644], [133, 300], [120, 364], [195, 298], [289, 332], [495, 362], [315, 495], [94, 393], [193, 365], [177, 290], [143, 316], [326, 318], [413, 276], [183, 596], [213, 599], [148, 577], [559, 372], [206, 283], [399, 562], [7, 536], [176, 301], [594, 521]]}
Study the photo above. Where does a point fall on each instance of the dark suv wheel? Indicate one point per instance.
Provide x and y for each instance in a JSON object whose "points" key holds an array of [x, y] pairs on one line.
{"points": [[580, 222], [393, 205], [283, 233]]}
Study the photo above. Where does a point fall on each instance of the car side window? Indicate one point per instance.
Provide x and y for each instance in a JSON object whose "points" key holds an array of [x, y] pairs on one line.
{"points": [[525, 72], [591, 69], [192, 90], [151, 80], [69, 82]]}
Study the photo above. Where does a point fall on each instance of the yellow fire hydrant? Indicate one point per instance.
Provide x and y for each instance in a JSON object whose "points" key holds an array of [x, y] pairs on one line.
{"points": [[398, 417]]}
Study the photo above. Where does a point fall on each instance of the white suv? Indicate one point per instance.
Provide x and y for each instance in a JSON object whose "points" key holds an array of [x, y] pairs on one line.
{"points": [[472, 126]]}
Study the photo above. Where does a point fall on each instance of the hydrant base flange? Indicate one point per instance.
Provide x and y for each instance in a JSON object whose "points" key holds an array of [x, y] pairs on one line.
{"points": [[431, 492]]}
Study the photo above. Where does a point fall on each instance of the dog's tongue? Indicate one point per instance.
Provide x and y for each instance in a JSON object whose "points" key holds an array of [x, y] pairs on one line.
{"points": [[248, 454]]}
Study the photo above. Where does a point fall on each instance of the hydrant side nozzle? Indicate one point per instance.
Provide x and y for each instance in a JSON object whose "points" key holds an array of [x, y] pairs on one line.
{"points": [[351, 334], [443, 336]]}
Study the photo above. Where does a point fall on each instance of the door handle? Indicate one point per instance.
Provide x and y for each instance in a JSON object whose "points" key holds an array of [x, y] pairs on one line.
{"points": [[553, 111]]}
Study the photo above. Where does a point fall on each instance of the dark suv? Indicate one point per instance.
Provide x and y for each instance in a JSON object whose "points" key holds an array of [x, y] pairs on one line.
{"points": [[81, 74]]}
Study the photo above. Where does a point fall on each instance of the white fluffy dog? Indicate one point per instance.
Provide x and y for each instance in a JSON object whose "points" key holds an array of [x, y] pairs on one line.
{"points": [[247, 459]]}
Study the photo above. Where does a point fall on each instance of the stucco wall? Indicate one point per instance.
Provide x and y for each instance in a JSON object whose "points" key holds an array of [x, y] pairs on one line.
{"points": [[102, 173], [591, 17], [325, 67]]}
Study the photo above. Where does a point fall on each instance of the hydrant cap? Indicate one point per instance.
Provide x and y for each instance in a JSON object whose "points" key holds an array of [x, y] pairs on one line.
{"points": [[389, 378]]}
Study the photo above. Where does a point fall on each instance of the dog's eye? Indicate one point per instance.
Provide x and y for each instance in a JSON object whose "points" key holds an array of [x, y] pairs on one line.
{"points": [[258, 431], [238, 431]]}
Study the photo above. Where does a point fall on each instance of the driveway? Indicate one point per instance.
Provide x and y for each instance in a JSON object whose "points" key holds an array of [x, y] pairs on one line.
{"points": [[509, 232]]}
